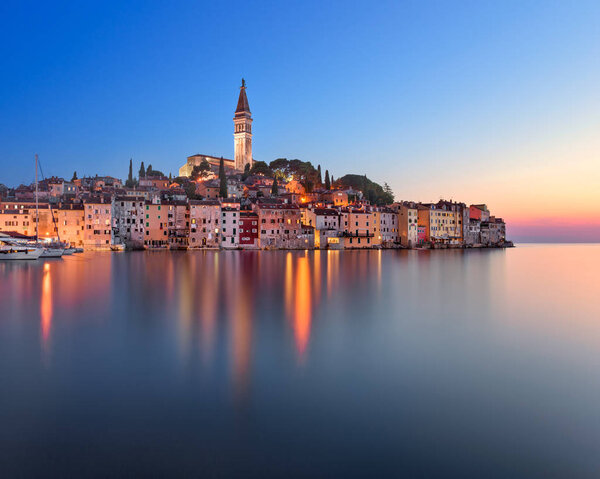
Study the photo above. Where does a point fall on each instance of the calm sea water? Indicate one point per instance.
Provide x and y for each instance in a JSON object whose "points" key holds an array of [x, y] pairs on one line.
{"points": [[339, 363]]}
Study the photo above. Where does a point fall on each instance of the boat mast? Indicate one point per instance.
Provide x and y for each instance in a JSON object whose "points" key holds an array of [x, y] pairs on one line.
{"points": [[37, 215]]}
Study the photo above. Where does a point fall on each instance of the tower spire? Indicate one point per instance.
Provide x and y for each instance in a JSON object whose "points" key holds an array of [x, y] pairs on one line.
{"points": [[242, 106], [242, 121]]}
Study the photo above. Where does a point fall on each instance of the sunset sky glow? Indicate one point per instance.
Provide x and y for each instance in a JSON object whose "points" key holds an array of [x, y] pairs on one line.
{"points": [[482, 102]]}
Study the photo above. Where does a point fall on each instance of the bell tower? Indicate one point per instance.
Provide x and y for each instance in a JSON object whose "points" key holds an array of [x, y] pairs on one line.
{"points": [[242, 133]]}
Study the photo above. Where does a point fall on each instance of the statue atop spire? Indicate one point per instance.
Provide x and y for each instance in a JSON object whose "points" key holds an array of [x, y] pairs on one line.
{"points": [[242, 106]]}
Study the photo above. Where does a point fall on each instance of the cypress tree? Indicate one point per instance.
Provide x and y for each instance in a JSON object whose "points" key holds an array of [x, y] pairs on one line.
{"points": [[130, 175], [74, 176], [222, 180], [327, 182], [275, 187], [319, 178], [142, 173], [148, 170]]}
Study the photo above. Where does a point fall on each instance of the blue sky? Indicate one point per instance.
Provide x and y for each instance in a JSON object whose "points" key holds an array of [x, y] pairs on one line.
{"points": [[436, 98]]}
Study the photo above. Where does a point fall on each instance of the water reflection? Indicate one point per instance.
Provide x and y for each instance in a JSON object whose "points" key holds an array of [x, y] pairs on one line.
{"points": [[500, 348], [46, 310], [302, 306]]}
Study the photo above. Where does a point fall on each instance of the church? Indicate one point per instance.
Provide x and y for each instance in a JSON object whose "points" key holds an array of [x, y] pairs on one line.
{"points": [[242, 141]]}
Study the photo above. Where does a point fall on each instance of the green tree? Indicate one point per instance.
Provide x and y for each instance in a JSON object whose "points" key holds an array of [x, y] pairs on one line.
{"points": [[142, 173], [74, 176], [246, 172], [327, 181], [388, 191], [261, 168], [190, 189], [275, 188], [200, 171], [129, 183], [170, 177], [149, 170], [222, 180], [319, 178]]}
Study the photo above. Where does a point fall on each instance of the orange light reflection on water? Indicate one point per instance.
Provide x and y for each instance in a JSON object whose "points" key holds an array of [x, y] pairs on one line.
{"points": [[46, 307], [302, 306]]}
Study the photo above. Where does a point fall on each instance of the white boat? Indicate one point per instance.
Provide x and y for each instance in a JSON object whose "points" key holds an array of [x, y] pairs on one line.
{"points": [[69, 251], [52, 252], [13, 251]]}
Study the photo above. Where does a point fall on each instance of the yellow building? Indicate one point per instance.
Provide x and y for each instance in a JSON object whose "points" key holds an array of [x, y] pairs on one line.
{"points": [[361, 228], [70, 223]]}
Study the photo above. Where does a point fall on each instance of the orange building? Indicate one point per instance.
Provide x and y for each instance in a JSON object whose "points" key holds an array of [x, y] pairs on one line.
{"points": [[156, 225], [70, 223], [361, 228]]}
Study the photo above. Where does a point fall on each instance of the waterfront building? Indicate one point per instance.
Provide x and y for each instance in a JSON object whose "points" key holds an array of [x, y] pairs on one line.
{"points": [[249, 230], [326, 224], [71, 224], [279, 225], [497, 230], [204, 223], [155, 226], [474, 234], [230, 216], [128, 221], [442, 224], [178, 223], [359, 227], [388, 227], [407, 224], [97, 222]]}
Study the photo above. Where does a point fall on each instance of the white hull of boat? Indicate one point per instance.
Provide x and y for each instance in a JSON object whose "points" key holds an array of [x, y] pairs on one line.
{"points": [[16, 253], [52, 253]]}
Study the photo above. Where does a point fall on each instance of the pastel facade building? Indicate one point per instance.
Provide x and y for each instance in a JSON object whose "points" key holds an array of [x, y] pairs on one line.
{"points": [[230, 226], [407, 224], [359, 228], [156, 231], [204, 223], [326, 224], [279, 225], [128, 221], [479, 212], [71, 224], [388, 227], [178, 223], [98, 232]]}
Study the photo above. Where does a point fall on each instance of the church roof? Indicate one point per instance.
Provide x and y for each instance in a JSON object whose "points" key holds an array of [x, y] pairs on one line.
{"points": [[242, 106]]}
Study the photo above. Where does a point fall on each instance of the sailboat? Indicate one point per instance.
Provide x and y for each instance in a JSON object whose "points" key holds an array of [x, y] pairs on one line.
{"points": [[49, 250], [12, 249]]}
